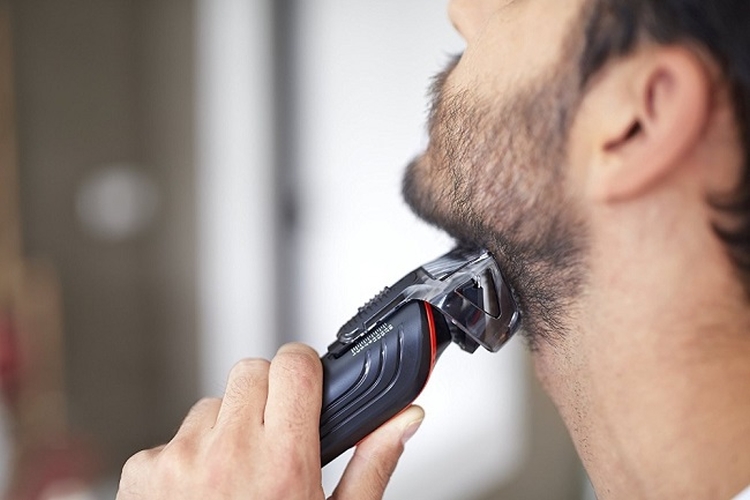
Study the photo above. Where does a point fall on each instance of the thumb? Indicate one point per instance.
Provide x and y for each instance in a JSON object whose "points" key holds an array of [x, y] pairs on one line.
{"points": [[376, 456]]}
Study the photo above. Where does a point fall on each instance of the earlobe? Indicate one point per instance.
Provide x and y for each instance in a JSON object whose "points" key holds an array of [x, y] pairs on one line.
{"points": [[663, 108]]}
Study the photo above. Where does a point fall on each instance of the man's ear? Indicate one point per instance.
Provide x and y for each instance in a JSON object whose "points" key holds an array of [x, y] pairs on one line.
{"points": [[652, 109]]}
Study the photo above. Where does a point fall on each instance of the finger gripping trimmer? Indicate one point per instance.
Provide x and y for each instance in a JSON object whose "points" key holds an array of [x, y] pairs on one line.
{"points": [[384, 355]]}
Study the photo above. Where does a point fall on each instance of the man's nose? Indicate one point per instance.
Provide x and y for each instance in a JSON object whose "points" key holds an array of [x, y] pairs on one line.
{"points": [[468, 16]]}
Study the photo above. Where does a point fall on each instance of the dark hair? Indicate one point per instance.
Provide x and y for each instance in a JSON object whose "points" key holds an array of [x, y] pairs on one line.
{"points": [[722, 27]]}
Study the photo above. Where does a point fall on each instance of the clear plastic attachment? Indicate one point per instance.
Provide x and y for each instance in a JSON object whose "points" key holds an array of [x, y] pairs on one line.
{"points": [[465, 285]]}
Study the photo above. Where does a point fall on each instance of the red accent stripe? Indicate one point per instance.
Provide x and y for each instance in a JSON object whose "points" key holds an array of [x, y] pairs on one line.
{"points": [[433, 336]]}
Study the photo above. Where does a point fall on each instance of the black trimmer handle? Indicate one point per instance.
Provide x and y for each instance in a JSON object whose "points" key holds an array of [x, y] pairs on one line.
{"points": [[377, 377]]}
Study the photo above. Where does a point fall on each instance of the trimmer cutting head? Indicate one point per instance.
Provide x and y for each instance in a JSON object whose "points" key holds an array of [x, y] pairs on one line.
{"points": [[465, 285]]}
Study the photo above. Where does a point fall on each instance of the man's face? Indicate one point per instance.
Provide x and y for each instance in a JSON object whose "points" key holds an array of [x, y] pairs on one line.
{"points": [[494, 173]]}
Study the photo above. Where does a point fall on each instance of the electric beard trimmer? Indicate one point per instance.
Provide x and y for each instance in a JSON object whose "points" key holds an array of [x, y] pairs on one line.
{"points": [[383, 356]]}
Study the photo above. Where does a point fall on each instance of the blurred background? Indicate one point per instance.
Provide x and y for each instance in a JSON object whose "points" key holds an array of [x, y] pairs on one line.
{"points": [[184, 183]]}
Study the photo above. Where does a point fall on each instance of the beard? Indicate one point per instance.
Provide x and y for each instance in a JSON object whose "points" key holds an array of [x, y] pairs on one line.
{"points": [[493, 176]]}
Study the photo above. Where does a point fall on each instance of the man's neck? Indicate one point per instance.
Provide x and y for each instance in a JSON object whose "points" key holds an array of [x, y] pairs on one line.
{"points": [[654, 386], [673, 422]]}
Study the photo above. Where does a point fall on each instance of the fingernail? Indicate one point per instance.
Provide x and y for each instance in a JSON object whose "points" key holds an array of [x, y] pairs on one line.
{"points": [[410, 430]]}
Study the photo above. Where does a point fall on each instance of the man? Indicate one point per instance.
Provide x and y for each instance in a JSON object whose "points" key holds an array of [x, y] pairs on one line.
{"points": [[599, 149]]}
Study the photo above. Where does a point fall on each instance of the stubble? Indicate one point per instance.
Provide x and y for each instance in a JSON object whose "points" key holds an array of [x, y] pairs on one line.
{"points": [[494, 176]]}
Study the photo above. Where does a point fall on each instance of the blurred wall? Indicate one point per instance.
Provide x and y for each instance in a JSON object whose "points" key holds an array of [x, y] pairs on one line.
{"points": [[102, 83]]}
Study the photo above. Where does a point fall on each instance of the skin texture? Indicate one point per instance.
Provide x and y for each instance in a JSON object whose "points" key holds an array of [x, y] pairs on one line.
{"points": [[594, 201]]}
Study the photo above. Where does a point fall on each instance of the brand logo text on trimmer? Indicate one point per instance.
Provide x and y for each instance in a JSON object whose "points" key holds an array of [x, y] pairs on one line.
{"points": [[371, 338]]}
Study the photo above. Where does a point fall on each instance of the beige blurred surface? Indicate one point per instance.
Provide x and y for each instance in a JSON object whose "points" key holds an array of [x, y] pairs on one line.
{"points": [[103, 82]]}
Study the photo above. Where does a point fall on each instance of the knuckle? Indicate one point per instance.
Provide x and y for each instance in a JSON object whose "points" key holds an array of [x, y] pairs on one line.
{"points": [[132, 474], [249, 367], [299, 359], [202, 407], [204, 404], [134, 464], [297, 348], [246, 375], [179, 448]]}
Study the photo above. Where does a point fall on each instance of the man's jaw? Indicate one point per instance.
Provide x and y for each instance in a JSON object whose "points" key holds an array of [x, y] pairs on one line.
{"points": [[465, 229]]}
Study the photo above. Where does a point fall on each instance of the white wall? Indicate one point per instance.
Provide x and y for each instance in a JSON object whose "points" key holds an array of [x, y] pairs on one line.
{"points": [[234, 181], [365, 68]]}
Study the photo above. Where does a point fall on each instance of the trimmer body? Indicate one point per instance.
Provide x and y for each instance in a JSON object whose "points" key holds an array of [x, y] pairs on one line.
{"points": [[384, 355]]}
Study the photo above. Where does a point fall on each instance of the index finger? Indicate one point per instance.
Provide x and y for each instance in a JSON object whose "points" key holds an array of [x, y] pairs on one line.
{"points": [[245, 396], [295, 392]]}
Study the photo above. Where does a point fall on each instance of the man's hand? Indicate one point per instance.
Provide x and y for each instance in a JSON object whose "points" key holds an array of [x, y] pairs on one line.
{"points": [[261, 441]]}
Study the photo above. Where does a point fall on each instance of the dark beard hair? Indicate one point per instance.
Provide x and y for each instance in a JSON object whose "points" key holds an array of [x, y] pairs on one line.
{"points": [[507, 192]]}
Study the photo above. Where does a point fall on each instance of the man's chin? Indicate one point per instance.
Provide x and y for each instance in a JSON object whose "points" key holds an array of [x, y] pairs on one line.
{"points": [[415, 193], [422, 194]]}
